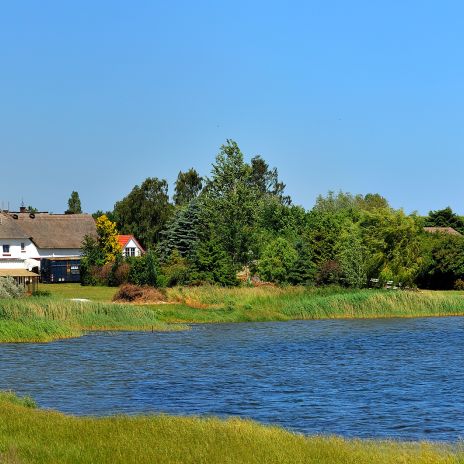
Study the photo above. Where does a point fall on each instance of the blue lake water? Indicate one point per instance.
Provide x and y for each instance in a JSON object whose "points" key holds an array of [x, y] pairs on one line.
{"points": [[398, 378]]}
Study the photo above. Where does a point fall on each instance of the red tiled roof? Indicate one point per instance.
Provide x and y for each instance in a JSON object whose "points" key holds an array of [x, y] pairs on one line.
{"points": [[125, 239]]}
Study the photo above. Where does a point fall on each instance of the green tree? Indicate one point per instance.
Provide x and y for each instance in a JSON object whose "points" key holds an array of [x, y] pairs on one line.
{"points": [[212, 264], [277, 261], [443, 261], [145, 211], [353, 257], [182, 232], [74, 204], [188, 186], [445, 218]]}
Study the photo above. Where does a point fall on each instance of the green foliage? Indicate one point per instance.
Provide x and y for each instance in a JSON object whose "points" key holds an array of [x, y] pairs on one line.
{"points": [[10, 289], [211, 264], [278, 259], [445, 218], [182, 232], [443, 262], [74, 204], [353, 258], [188, 186], [144, 270], [145, 211], [175, 270]]}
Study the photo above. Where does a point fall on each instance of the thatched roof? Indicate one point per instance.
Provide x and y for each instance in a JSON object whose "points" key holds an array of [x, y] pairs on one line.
{"points": [[9, 228], [441, 230], [53, 230]]}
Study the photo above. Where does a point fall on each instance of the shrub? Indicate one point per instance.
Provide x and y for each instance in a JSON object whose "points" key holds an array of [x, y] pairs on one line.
{"points": [[137, 293], [459, 284], [10, 289]]}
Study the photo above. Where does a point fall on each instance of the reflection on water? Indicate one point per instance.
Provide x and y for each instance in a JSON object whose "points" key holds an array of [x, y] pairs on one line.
{"points": [[400, 378]]}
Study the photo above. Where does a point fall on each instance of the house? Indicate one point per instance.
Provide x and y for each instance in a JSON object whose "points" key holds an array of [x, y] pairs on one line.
{"points": [[130, 246], [28, 238], [441, 230]]}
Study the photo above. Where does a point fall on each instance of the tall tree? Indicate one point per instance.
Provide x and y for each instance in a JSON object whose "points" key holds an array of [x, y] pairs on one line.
{"points": [[188, 186], [445, 218], [145, 211], [107, 239], [74, 204]]}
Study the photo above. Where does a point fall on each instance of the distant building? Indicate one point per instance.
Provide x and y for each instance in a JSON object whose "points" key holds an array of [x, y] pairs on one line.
{"points": [[27, 238], [441, 230], [130, 246]]}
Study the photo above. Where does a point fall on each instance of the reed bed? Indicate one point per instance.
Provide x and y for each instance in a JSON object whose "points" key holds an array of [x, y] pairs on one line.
{"points": [[34, 436], [45, 319]]}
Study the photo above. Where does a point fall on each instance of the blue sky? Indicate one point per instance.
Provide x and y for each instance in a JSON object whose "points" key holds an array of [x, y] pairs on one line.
{"points": [[360, 96]]}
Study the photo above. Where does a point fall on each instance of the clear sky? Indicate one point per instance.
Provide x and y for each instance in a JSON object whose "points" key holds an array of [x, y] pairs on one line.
{"points": [[362, 96]]}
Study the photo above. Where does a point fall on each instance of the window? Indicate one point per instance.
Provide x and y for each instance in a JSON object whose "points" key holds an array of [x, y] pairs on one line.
{"points": [[129, 252], [6, 249], [23, 247]]}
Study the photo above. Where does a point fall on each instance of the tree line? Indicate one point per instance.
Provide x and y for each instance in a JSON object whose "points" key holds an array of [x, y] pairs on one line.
{"points": [[240, 221]]}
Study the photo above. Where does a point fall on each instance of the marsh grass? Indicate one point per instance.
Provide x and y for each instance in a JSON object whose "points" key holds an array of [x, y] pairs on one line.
{"points": [[45, 319], [213, 304], [43, 436], [50, 318]]}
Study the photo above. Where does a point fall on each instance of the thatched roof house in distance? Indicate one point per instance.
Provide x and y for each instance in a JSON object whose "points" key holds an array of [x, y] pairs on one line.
{"points": [[26, 238], [441, 230]]}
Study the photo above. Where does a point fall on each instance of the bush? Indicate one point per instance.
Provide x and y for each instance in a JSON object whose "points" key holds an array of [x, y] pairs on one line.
{"points": [[459, 284], [10, 289], [137, 293]]}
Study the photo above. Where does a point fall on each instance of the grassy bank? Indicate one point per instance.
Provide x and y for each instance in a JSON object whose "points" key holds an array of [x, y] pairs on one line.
{"points": [[53, 317], [45, 319], [36, 436], [209, 304]]}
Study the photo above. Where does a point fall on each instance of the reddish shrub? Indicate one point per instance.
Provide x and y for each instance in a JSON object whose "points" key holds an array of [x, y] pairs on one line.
{"points": [[136, 293]]}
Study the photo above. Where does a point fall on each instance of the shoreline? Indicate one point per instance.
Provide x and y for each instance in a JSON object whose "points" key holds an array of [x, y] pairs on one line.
{"points": [[45, 319], [31, 435]]}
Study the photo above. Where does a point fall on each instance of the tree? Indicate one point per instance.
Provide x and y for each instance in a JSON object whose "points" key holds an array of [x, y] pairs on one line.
{"points": [[353, 257], [107, 239], [445, 218], [277, 260], [266, 180], [443, 261], [212, 264], [182, 232], [145, 211], [74, 204], [188, 186]]}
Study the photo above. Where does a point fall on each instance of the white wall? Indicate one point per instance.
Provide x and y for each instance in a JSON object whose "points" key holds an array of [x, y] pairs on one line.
{"points": [[59, 252], [132, 244], [30, 251]]}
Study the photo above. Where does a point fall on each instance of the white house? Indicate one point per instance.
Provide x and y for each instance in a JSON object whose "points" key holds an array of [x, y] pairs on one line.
{"points": [[130, 246], [26, 238]]}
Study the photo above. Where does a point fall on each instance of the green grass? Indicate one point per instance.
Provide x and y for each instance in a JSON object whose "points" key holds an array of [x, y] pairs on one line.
{"points": [[66, 290], [41, 436], [50, 318], [44, 319]]}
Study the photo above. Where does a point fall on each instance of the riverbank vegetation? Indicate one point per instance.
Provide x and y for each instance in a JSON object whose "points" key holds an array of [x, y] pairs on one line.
{"points": [[43, 319], [33, 436], [56, 316], [239, 222]]}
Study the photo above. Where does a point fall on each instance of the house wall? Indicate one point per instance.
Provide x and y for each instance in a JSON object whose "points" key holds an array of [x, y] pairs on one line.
{"points": [[30, 250], [59, 252], [132, 244]]}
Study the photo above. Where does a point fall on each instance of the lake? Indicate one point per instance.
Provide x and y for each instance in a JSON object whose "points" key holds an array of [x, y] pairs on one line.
{"points": [[397, 378]]}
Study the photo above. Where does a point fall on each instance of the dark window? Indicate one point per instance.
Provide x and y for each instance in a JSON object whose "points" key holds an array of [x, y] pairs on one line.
{"points": [[23, 246], [6, 249]]}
